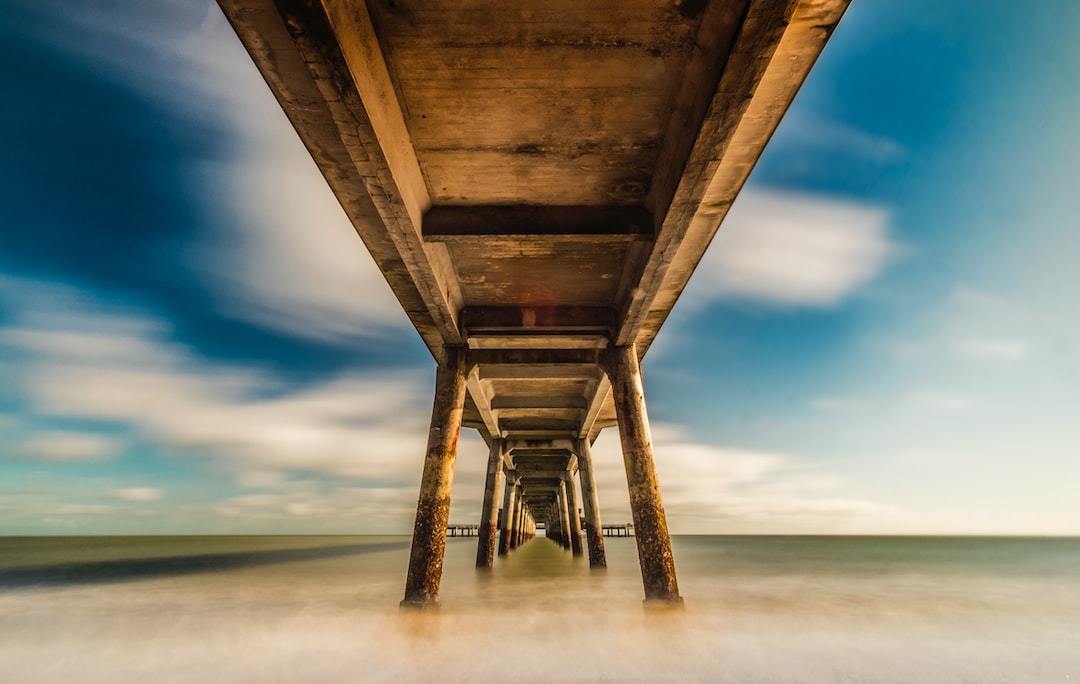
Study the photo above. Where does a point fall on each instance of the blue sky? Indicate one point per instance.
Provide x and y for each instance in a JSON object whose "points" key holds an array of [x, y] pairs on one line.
{"points": [[882, 339]]}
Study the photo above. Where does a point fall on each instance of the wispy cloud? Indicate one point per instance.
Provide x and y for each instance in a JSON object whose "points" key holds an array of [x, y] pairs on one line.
{"points": [[840, 405], [941, 401], [365, 430], [66, 447], [794, 250], [990, 349], [708, 488], [819, 133], [300, 267], [139, 494], [282, 254]]}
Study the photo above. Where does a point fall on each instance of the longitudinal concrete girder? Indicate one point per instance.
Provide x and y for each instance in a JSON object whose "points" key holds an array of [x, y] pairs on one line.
{"points": [[536, 180]]}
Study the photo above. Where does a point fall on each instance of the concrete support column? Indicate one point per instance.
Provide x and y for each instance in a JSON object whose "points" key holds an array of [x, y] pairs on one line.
{"points": [[518, 520], [553, 524], [564, 514], [433, 504], [575, 517], [650, 524], [521, 521], [515, 520], [489, 514], [594, 533], [509, 501]]}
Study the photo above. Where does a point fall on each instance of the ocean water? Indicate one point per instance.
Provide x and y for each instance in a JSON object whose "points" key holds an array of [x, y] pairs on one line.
{"points": [[324, 609]]}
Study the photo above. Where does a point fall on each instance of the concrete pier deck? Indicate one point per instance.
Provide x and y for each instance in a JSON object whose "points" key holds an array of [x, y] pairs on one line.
{"points": [[537, 181]]}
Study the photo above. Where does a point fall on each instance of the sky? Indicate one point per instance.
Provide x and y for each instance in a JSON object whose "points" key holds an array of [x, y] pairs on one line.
{"points": [[882, 339]]}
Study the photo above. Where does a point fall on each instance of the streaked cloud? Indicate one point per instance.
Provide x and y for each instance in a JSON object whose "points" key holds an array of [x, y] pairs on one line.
{"points": [[794, 250], [139, 494], [281, 253], [65, 447], [817, 133], [840, 405], [990, 350], [124, 370], [720, 489], [941, 401]]}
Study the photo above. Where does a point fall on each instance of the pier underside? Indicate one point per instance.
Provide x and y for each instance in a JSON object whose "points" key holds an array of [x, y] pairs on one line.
{"points": [[537, 181]]}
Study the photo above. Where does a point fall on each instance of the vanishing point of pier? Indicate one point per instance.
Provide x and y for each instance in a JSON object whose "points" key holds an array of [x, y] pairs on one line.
{"points": [[537, 181]]}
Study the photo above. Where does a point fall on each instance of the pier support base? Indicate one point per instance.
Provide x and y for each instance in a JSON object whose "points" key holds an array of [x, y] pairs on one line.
{"points": [[594, 532], [489, 514], [433, 505], [650, 524]]}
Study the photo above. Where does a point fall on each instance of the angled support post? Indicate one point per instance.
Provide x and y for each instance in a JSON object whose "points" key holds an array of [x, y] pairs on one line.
{"points": [[554, 522], [575, 518], [433, 504], [594, 531], [515, 518], [489, 514], [564, 515], [646, 506], [522, 515], [509, 503]]}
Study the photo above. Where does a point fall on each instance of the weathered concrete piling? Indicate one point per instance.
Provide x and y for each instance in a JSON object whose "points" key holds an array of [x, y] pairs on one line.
{"points": [[433, 505], [489, 516], [650, 523], [591, 504]]}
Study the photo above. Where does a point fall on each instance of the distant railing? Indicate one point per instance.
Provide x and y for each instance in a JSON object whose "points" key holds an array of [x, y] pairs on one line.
{"points": [[624, 530], [463, 530]]}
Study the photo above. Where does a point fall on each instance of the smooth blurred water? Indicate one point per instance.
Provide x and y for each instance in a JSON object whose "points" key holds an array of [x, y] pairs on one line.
{"points": [[324, 609]]}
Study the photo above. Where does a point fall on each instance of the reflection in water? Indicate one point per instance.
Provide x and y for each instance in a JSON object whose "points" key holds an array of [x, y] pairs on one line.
{"points": [[766, 609]]}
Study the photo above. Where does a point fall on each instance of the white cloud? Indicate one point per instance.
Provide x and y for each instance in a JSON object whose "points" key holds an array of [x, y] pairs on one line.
{"points": [[824, 134], [990, 349], [285, 256], [840, 405], [710, 489], [300, 267], [97, 365], [139, 494], [82, 509], [65, 446], [794, 250], [941, 401]]}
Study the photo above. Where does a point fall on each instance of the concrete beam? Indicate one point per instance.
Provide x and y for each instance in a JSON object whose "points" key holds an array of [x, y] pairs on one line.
{"points": [[551, 360], [536, 319], [520, 223], [512, 401], [538, 370], [596, 404], [482, 401], [704, 162]]}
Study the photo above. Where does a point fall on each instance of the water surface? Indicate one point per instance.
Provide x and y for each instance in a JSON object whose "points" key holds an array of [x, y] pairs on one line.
{"points": [[324, 609]]}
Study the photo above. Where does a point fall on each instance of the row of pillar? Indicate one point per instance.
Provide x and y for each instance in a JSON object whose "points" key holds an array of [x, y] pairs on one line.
{"points": [[519, 525]]}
